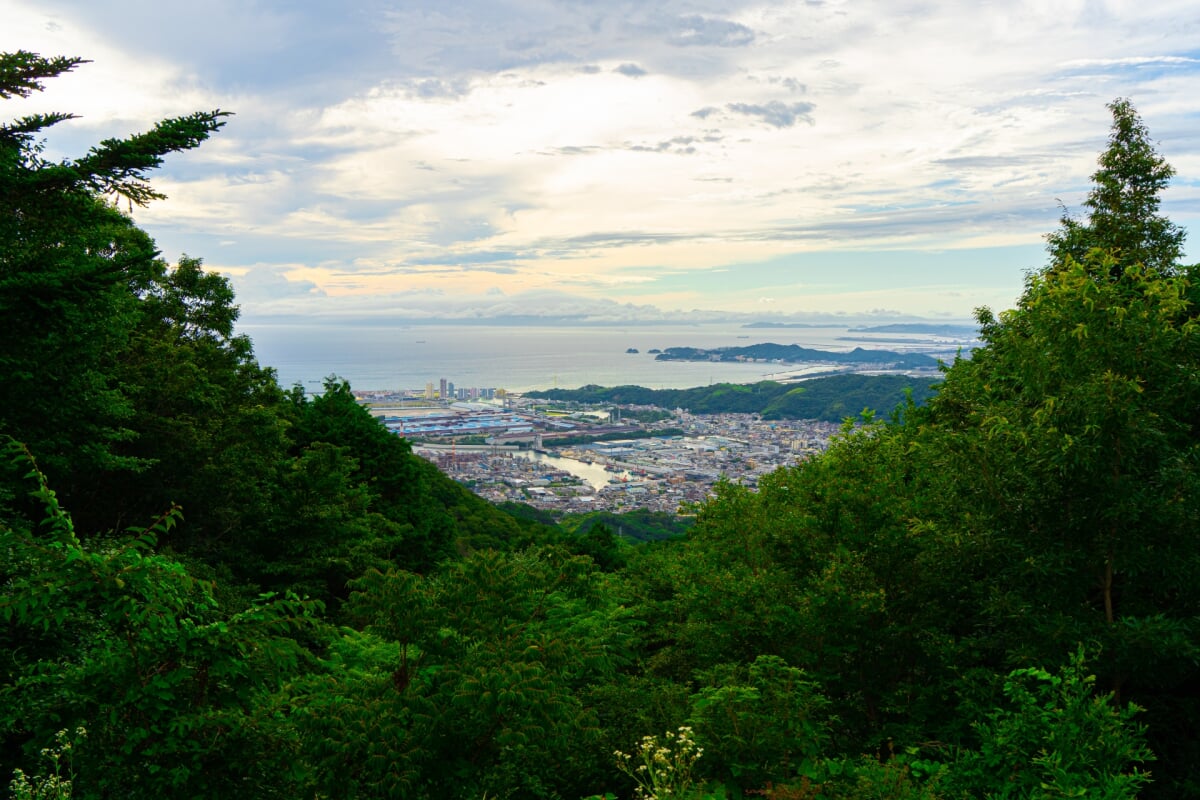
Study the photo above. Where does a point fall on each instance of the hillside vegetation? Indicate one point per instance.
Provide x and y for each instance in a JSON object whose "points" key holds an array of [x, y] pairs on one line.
{"points": [[215, 587], [831, 399]]}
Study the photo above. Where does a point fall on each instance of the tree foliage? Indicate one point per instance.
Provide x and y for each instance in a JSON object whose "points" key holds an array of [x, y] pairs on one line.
{"points": [[72, 271], [1122, 208], [485, 671], [1055, 737], [115, 638]]}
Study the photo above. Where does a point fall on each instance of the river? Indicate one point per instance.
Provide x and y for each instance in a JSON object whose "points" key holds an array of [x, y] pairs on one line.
{"points": [[594, 474]]}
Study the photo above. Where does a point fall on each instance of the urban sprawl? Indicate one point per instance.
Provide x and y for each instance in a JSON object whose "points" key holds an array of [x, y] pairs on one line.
{"points": [[571, 458]]}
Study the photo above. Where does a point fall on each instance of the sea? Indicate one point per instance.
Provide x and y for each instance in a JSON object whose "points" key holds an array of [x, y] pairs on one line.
{"points": [[524, 358]]}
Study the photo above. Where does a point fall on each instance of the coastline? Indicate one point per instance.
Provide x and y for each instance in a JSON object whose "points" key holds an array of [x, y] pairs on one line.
{"points": [[518, 359]]}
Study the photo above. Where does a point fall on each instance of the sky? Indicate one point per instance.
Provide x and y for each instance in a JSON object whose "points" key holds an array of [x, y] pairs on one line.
{"points": [[401, 160]]}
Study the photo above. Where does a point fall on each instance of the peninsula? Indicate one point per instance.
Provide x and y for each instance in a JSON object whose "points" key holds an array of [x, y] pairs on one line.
{"points": [[795, 354]]}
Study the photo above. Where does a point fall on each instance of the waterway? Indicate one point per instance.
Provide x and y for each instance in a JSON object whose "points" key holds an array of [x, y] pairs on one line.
{"points": [[594, 474]]}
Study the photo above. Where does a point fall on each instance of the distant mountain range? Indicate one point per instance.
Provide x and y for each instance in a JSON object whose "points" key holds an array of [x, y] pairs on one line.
{"points": [[935, 329], [795, 354], [969, 331]]}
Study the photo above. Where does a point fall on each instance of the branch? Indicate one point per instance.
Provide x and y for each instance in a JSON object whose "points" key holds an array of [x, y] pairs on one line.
{"points": [[22, 72]]}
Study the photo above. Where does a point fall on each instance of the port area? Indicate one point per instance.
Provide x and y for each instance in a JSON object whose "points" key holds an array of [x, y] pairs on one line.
{"points": [[573, 459]]}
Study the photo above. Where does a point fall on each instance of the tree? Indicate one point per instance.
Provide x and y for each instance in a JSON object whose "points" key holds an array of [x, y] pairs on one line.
{"points": [[208, 423], [759, 724], [114, 167], [400, 485], [1122, 207], [470, 682], [1072, 435], [72, 272], [1079, 431], [1056, 737], [849, 566], [174, 688]]}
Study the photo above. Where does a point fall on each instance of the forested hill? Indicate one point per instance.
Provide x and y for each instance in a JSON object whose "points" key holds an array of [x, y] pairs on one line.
{"points": [[795, 354], [831, 399]]}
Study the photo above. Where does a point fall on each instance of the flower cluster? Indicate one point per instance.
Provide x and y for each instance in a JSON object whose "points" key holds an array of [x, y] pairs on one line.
{"points": [[55, 786], [664, 768]]}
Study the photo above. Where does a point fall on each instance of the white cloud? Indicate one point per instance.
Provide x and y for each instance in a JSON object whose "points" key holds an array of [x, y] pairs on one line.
{"points": [[505, 146], [116, 94]]}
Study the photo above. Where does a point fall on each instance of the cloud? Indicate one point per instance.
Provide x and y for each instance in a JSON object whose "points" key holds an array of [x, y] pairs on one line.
{"points": [[409, 148], [265, 285], [436, 89], [775, 113], [492, 305], [681, 145], [991, 162], [791, 84], [572, 150], [696, 30], [288, 50], [524, 42], [554, 307], [1132, 61]]}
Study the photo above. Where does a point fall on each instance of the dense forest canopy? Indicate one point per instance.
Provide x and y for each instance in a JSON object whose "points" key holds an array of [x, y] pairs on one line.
{"points": [[217, 587]]}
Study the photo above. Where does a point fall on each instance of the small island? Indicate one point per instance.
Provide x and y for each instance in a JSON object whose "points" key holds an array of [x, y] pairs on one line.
{"points": [[633, 350]]}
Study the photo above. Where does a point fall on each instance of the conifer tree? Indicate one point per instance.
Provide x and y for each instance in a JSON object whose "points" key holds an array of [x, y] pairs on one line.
{"points": [[73, 269], [1122, 207]]}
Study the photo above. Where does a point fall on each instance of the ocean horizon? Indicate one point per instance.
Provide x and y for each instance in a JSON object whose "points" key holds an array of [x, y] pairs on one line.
{"points": [[526, 357]]}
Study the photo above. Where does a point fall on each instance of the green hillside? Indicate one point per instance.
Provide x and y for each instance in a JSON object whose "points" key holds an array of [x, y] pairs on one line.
{"points": [[831, 399]]}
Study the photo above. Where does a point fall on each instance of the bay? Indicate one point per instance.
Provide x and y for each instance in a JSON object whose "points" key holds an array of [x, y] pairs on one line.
{"points": [[523, 358]]}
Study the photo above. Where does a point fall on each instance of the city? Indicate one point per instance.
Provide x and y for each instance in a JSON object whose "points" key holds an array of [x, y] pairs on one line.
{"points": [[569, 458]]}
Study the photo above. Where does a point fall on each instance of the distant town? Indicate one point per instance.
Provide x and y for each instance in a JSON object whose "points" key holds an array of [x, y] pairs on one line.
{"points": [[572, 458]]}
